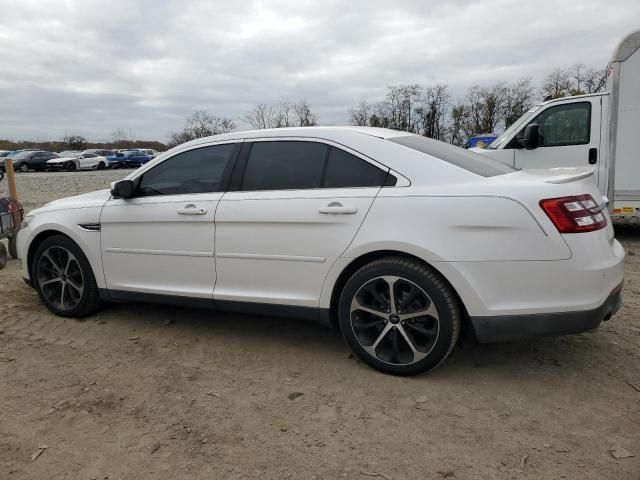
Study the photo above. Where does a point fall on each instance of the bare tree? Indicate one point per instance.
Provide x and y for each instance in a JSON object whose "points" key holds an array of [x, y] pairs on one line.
{"points": [[261, 116], [360, 114], [519, 100], [304, 116], [557, 84], [577, 77], [595, 80], [459, 120], [285, 114], [201, 124], [73, 141], [430, 112]]}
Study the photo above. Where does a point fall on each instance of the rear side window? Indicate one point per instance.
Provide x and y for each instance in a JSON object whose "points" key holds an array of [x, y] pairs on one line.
{"points": [[470, 161], [346, 170], [196, 171], [284, 166]]}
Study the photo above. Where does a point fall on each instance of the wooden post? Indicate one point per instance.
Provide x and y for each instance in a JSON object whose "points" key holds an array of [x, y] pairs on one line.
{"points": [[11, 178]]}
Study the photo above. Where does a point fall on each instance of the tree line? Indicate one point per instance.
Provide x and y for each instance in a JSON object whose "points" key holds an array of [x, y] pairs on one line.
{"points": [[433, 112], [428, 110]]}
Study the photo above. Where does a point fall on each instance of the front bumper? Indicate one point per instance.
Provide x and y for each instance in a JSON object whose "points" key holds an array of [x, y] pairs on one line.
{"points": [[506, 328]]}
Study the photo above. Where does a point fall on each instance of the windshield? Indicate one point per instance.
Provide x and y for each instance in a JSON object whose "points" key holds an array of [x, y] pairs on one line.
{"points": [[508, 133], [473, 162]]}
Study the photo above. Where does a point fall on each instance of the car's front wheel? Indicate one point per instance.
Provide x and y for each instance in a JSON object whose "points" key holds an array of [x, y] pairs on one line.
{"points": [[23, 167], [70, 166], [399, 316], [63, 278]]}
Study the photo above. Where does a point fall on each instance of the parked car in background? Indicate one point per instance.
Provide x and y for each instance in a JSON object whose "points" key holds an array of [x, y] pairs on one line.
{"points": [[113, 161], [69, 153], [84, 161], [32, 160], [133, 158], [13, 153], [149, 151], [480, 141], [400, 240], [4, 153]]}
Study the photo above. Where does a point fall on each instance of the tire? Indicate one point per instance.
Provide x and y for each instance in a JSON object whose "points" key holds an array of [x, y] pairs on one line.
{"points": [[23, 167], [13, 247], [101, 166], [4, 258], [414, 336], [70, 166], [59, 256]]}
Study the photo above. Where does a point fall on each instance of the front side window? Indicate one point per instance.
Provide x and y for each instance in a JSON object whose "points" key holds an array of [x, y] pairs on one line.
{"points": [[568, 124], [195, 171], [284, 166]]}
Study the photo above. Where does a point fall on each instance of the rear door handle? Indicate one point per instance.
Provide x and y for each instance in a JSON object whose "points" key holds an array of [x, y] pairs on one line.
{"points": [[593, 156], [336, 208], [192, 209]]}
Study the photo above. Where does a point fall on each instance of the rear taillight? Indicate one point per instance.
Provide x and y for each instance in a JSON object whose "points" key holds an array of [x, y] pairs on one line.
{"points": [[575, 214]]}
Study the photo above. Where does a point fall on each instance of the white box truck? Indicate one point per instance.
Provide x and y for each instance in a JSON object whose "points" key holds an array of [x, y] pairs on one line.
{"points": [[599, 130]]}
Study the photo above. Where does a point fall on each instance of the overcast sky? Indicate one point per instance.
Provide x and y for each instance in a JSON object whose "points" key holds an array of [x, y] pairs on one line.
{"points": [[90, 67]]}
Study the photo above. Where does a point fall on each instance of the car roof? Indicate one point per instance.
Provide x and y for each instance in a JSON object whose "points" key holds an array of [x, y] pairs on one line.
{"points": [[326, 133], [418, 165]]}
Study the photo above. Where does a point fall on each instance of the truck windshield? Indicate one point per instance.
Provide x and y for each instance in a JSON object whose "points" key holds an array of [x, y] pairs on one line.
{"points": [[517, 125]]}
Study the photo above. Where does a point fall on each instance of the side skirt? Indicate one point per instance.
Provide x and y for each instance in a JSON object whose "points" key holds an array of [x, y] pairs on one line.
{"points": [[316, 315]]}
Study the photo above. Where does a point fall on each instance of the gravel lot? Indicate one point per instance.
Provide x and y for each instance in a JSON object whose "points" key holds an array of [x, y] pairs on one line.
{"points": [[143, 391]]}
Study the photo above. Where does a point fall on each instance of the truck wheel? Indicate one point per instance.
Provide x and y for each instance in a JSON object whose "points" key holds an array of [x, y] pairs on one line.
{"points": [[13, 247], [399, 316], [3, 256]]}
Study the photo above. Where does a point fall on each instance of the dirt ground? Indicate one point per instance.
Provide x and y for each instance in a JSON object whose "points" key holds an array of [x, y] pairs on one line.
{"points": [[144, 392]]}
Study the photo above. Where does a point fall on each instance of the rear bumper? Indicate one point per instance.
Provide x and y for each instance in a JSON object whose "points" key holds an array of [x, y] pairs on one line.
{"points": [[505, 328]]}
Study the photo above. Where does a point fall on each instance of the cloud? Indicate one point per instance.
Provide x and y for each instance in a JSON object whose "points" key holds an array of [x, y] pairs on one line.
{"points": [[94, 66]]}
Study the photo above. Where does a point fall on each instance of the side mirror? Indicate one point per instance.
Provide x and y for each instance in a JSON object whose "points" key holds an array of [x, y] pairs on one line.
{"points": [[529, 139], [123, 189]]}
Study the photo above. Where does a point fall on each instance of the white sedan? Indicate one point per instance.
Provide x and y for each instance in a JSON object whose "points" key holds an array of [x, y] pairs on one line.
{"points": [[399, 240], [81, 161]]}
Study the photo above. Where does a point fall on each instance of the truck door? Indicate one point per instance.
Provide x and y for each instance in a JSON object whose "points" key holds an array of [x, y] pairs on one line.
{"points": [[569, 136]]}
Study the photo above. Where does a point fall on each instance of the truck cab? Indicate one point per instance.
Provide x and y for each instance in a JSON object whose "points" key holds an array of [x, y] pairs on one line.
{"points": [[600, 131], [568, 134]]}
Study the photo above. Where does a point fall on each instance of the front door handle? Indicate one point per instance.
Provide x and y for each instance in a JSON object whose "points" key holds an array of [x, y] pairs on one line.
{"points": [[192, 209], [593, 156], [336, 208]]}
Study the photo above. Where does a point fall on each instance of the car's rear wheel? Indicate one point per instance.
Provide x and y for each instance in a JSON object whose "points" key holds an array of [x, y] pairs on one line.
{"points": [[70, 166], [399, 316], [64, 279], [101, 166]]}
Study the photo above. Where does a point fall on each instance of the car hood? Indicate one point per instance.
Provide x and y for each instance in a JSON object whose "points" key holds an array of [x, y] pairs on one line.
{"points": [[86, 200]]}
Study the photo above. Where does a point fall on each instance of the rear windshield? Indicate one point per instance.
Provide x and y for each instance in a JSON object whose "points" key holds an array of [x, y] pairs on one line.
{"points": [[473, 162]]}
